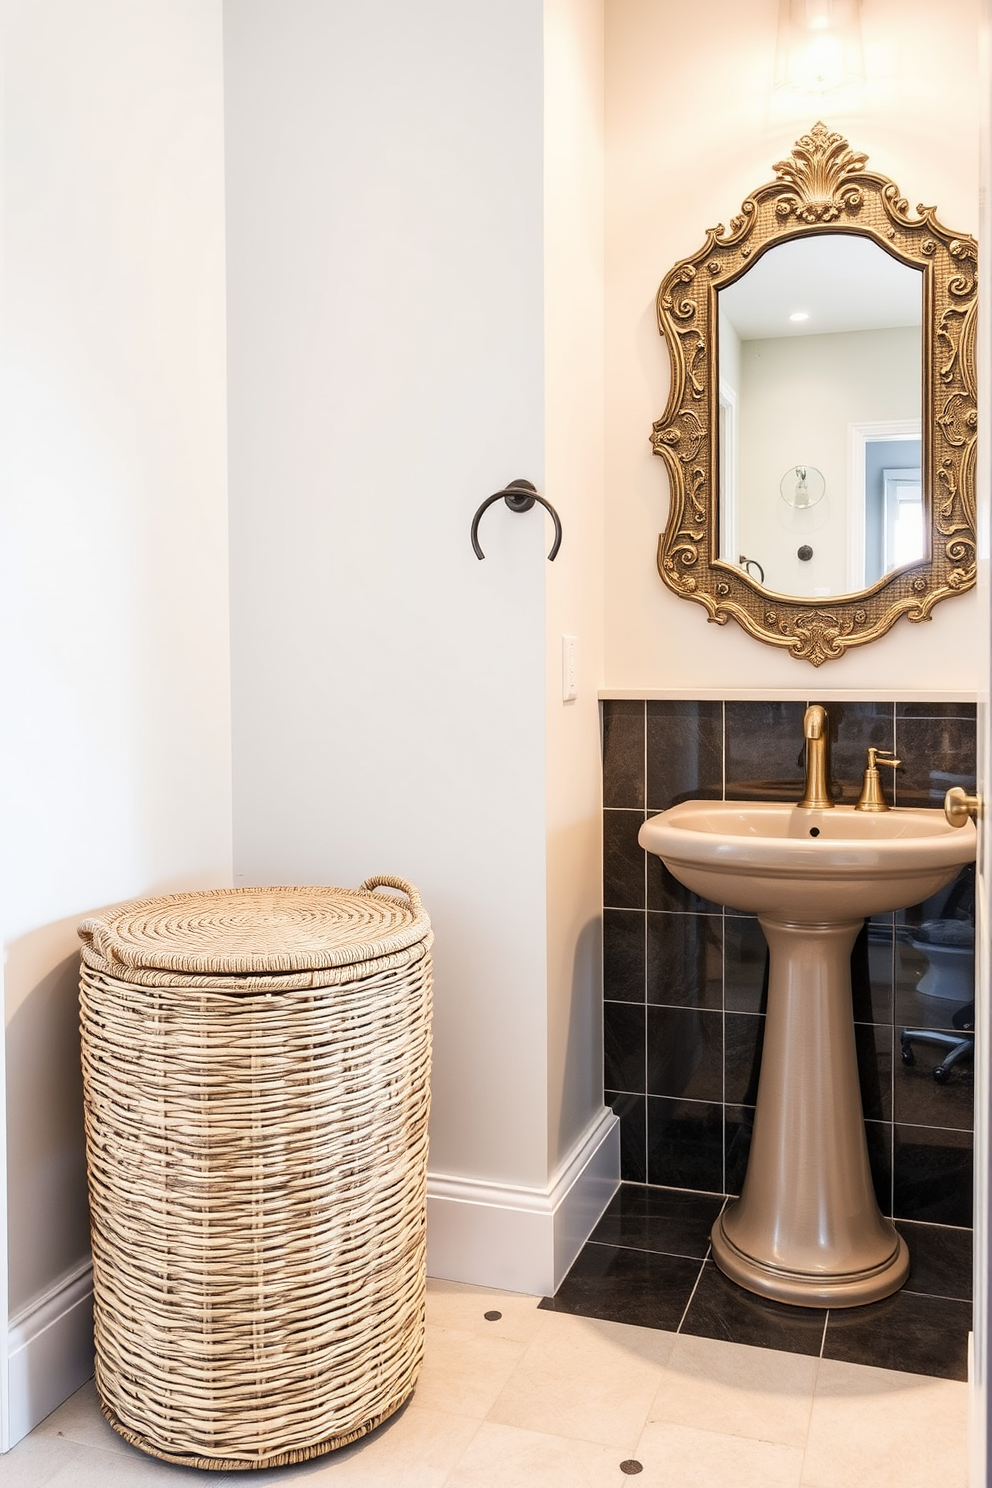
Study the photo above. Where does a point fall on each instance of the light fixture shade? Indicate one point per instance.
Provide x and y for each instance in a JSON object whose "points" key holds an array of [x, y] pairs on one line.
{"points": [[819, 47], [802, 486]]}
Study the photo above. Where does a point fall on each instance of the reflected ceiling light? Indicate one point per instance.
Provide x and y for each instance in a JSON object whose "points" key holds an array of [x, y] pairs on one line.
{"points": [[802, 486], [819, 46]]}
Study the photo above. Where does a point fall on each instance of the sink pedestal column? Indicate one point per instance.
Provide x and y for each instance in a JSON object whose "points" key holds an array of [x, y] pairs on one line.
{"points": [[806, 1228]]}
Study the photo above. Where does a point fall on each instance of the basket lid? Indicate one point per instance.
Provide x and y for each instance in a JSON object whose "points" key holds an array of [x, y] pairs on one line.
{"points": [[259, 931]]}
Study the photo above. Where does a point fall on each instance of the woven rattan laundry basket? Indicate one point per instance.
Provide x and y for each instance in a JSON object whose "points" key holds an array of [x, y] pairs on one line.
{"points": [[256, 1076]]}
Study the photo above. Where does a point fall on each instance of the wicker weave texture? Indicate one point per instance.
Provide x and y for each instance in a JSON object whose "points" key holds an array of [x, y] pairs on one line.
{"points": [[257, 1163]]}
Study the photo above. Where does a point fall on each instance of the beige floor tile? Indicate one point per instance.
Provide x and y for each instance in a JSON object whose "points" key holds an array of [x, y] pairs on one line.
{"points": [[34, 1462], [684, 1457], [889, 1430], [80, 1419], [586, 1379], [464, 1372], [509, 1457], [90, 1467], [416, 1448], [736, 1390], [452, 1304]]}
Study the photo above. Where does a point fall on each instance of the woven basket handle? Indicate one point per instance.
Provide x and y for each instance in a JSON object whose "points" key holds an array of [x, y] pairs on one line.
{"points": [[94, 932], [387, 881]]}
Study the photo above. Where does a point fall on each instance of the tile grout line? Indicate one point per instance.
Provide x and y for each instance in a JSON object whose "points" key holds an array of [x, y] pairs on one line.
{"points": [[892, 995], [685, 1310], [677, 1255]]}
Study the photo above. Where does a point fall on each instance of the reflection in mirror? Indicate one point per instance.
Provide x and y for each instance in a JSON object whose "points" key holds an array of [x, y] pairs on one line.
{"points": [[820, 396]]}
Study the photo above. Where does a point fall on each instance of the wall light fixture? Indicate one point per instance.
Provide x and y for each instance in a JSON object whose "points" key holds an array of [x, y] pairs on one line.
{"points": [[819, 47]]}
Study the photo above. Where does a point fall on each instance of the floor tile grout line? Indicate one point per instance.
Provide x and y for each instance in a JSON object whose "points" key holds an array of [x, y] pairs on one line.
{"points": [[449, 1476], [823, 1336], [676, 1255], [685, 1310], [930, 1224], [940, 1296]]}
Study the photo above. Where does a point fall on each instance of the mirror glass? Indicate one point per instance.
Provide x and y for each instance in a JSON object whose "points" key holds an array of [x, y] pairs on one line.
{"points": [[820, 371]]}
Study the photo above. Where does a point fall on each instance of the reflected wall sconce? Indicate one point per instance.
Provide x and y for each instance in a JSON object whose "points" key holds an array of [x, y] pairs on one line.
{"points": [[802, 486], [819, 47]]}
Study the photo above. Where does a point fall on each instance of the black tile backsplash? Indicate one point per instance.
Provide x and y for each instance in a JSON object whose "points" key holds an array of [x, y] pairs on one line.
{"points": [[623, 860], [936, 753], [738, 1124], [685, 960], [932, 1174], [685, 1053], [623, 954], [624, 1049], [853, 726], [685, 1144], [764, 747], [623, 755], [745, 966], [684, 753], [743, 1033], [685, 981]]}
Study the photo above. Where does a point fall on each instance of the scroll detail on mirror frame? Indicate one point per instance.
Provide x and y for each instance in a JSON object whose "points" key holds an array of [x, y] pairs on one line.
{"points": [[823, 187]]}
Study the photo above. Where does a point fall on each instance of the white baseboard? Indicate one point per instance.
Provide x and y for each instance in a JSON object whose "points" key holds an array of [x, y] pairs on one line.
{"points": [[523, 1239], [50, 1351]]}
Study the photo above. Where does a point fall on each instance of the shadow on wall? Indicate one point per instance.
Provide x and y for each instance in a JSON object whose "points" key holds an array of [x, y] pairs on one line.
{"points": [[48, 1212], [582, 1070]]}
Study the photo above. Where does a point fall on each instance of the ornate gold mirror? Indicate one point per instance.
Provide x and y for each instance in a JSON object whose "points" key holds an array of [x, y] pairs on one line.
{"points": [[821, 424]]}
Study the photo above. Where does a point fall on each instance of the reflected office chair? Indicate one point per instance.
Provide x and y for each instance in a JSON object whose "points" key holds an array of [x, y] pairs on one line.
{"points": [[960, 1045]]}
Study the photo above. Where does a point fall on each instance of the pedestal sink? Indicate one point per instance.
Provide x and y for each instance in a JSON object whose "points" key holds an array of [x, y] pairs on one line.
{"points": [[806, 1228]]}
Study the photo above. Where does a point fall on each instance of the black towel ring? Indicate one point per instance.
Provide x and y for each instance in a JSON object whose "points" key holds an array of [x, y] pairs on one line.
{"points": [[520, 496]]}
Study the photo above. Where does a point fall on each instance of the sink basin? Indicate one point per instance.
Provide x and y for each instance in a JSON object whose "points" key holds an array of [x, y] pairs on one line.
{"points": [[807, 1229], [773, 858]]}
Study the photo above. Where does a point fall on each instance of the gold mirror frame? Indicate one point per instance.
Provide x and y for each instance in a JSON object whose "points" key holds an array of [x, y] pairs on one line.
{"points": [[822, 188]]}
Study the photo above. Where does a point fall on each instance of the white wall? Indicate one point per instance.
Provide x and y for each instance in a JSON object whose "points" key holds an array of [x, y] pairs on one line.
{"points": [[686, 141], [799, 395], [574, 432], [115, 753], [387, 325]]}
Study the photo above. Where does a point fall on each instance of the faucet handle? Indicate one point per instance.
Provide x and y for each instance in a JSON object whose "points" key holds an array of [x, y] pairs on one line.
{"points": [[872, 797]]}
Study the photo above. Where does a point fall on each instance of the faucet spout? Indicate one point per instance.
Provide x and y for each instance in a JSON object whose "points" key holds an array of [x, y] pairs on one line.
{"points": [[816, 791]]}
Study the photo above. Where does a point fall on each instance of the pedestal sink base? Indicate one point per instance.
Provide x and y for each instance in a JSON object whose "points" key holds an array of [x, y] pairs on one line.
{"points": [[851, 1290], [806, 1228]]}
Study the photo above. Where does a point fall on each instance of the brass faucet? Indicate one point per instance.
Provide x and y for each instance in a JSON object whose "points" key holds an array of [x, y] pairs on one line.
{"points": [[872, 797], [816, 792]]}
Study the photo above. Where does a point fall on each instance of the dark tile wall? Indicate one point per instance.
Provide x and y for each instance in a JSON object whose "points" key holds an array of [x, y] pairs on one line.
{"points": [[685, 980]]}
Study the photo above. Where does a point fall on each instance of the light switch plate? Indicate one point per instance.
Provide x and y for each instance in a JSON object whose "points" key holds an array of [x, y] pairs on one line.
{"points": [[569, 668]]}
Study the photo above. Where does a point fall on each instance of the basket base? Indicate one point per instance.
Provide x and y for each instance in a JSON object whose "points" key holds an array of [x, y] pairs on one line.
{"points": [[271, 1459]]}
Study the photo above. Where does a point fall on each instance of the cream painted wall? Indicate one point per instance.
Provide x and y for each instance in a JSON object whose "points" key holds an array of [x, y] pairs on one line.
{"points": [[691, 128], [573, 413], [115, 751], [799, 395]]}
